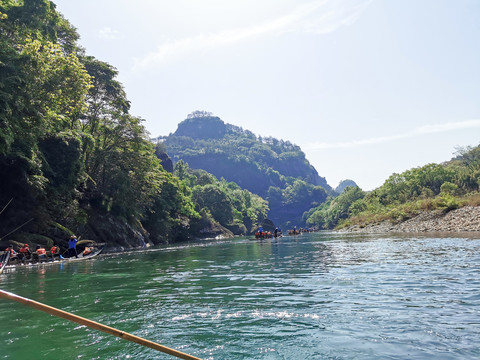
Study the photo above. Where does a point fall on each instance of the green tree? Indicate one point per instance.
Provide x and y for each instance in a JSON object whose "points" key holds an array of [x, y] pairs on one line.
{"points": [[329, 214], [218, 203], [172, 212], [58, 83]]}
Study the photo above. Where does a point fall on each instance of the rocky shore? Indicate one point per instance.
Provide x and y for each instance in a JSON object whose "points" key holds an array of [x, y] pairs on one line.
{"points": [[465, 219]]}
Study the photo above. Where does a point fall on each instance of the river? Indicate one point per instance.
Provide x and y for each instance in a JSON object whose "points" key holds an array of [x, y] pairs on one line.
{"points": [[313, 296]]}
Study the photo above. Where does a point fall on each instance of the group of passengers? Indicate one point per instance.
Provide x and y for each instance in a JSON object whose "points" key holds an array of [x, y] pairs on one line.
{"points": [[40, 254], [261, 234]]}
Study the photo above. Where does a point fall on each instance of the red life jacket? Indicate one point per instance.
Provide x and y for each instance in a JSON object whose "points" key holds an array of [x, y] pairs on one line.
{"points": [[53, 250], [24, 250]]}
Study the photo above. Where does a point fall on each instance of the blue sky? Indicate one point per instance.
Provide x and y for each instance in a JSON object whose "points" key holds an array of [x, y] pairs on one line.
{"points": [[365, 88]]}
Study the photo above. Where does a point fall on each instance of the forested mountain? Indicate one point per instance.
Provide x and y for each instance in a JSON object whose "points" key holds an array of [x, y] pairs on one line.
{"points": [[276, 170], [441, 187], [74, 160]]}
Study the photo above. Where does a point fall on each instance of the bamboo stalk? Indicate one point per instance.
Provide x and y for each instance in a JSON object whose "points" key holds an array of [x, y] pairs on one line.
{"points": [[95, 325]]}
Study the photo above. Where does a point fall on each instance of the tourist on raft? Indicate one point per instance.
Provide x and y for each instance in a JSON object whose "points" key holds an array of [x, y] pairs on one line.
{"points": [[72, 246], [54, 251], [24, 252], [13, 253], [41, 252]]}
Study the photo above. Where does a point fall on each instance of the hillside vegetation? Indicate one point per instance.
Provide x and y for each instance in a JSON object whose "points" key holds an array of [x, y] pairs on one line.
{"points": [[441, 187], [74, 160], [274, 169], [224, 202]]}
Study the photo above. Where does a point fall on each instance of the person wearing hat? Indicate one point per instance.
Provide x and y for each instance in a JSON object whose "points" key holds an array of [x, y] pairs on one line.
{"points": [[72, 246]]}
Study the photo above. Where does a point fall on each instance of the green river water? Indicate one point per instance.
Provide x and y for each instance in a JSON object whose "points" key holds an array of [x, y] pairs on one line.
{"points": [[313, 296]]}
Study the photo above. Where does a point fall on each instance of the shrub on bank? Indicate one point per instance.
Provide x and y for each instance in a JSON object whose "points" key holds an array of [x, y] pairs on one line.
{"points": [[444, 202]]}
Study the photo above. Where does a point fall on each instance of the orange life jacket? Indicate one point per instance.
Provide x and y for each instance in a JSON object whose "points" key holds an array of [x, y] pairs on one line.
{"points": [[12, 252], [87, 251], [41, 251]]}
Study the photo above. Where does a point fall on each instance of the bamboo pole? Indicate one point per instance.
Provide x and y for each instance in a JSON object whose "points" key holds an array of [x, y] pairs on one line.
{"points": [[6, 258], [6, 206], [95, 325], [11, 232]]}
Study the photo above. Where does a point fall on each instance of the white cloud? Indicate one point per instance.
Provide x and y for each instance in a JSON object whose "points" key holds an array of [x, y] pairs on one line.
{"points": [[320, 17], [422, 130], [108, 33], [429, 129]]}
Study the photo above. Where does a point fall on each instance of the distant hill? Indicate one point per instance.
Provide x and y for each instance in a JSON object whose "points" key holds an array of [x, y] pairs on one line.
{"points": [[344, 184], [277, 170]]}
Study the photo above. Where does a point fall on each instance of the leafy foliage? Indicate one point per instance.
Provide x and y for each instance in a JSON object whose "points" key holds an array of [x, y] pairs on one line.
{"points": [[224, 202], [329, 214], [172, 212], [71, 152], [444, 187]]}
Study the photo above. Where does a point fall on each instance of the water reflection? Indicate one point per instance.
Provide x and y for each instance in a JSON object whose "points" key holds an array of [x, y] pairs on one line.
{"points": [[41, 282]]}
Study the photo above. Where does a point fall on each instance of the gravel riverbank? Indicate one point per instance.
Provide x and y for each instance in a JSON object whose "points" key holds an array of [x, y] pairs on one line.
{"points": [[465, 219]]}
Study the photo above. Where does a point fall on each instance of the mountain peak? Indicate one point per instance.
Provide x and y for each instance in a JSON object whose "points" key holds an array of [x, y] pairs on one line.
{"points": [[202, 125]]}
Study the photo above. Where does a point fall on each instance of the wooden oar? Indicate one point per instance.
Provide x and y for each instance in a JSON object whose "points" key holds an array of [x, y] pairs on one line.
{"points": [[95, 325]]}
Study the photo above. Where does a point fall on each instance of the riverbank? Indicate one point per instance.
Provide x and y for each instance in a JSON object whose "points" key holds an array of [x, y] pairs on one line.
{"points": [[465, 219]]}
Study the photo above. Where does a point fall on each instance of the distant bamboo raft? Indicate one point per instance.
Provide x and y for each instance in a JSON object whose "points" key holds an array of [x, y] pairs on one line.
{"points": [[95, 325]]}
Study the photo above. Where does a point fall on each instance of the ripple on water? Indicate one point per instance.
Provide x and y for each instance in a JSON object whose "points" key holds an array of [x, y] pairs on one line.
{"points": [[316, 296]]}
